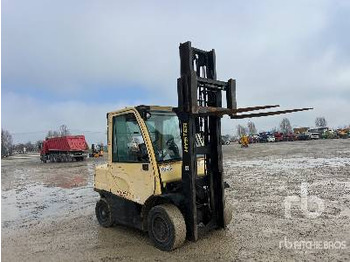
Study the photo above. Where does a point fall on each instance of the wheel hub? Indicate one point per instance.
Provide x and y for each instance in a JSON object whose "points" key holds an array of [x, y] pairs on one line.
{"points": [[104, 213], [160, 229]]}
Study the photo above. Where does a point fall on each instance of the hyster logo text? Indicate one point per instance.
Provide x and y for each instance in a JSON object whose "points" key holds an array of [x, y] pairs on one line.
{"points": [[185, 137]]}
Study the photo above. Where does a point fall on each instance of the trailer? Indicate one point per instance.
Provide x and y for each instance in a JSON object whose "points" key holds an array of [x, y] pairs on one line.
{"points": [[64, 149]]}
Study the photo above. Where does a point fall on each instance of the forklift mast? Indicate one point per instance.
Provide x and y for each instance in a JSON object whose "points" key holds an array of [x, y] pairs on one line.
{"points": [[200, 111]]}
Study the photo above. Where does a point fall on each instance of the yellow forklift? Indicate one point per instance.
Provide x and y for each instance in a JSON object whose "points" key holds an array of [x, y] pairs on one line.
{"points": [[97, 150], [244, 140], [164, 172]]}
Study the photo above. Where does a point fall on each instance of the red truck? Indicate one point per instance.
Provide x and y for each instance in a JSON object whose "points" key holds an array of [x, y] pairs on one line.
{"points": [[278, 136], [63, 149]]}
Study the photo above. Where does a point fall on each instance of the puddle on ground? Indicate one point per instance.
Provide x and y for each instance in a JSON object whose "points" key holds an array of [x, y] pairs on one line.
{"points": [[50, 191], [37, 201], [74, 180]]}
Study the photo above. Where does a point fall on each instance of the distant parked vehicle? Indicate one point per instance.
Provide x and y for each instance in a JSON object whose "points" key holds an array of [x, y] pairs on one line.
{"points": [[314, 133], [303, 136], [289, 137], [343, 133], [329, 134], [253, 139], [278, 136], [271, 139], [225, 141], [263, 137], [314, 136]]}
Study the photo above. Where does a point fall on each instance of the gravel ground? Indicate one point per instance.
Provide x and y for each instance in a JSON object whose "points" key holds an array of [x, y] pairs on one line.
{"points": [[291, 202]]}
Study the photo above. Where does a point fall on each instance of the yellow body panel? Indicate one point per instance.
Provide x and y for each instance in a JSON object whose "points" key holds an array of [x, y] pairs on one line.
{"points": [[172, 171], [102, 179], [106, 180], [129, 180]]}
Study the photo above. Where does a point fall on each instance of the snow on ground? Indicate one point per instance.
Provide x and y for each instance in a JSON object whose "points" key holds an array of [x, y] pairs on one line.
{"points": [[291, 163]]}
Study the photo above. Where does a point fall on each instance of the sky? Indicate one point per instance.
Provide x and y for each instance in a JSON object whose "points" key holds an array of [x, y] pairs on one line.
{"points": [[70, 62]]}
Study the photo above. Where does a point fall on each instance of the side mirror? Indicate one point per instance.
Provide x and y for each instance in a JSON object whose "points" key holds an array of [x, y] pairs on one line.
{"points": [[146, 115]]}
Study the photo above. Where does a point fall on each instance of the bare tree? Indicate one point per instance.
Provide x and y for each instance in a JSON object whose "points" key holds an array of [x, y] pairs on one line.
{"points": [[38, 145], [320, 121], [241, 130], [64, 131], [285, 126], [251, 128], [49, 134], [29, 147], [6, 143], [273, 130]]}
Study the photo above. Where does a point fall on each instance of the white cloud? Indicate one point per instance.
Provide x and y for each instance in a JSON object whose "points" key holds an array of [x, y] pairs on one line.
{"points": [[291, 53], [30, 119]]}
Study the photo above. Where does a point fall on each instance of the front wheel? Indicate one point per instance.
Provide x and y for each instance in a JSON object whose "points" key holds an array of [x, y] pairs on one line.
{"points": [[166, 227], [104, 213]]}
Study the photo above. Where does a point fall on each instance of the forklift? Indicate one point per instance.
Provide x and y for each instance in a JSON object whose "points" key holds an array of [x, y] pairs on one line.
{"points": [[164, 173], [97, 150]]}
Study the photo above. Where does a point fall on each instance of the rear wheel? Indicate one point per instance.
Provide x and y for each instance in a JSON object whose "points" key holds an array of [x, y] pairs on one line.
{"points": [[104, 213], [166, 227]]}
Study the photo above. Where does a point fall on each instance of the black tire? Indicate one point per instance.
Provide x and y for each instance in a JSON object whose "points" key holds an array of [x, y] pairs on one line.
{"points": [[166, 227], [104, 213]]}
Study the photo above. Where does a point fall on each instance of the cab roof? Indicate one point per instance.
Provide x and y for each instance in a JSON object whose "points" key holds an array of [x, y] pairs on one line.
{"points": [[145, 107]]}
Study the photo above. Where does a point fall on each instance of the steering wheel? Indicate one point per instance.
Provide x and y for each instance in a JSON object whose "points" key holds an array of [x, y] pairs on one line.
{"points": [[173, 146], [170, 142]]}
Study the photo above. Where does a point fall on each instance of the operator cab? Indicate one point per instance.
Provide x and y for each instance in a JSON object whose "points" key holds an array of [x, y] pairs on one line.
{"points": [[144, 152], [163, 129]]}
